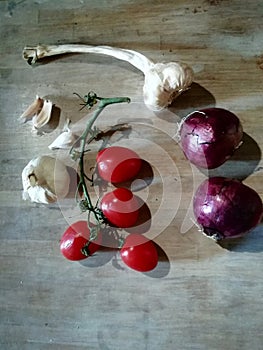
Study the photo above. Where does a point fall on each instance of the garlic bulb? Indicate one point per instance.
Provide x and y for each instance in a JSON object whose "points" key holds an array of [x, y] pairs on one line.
{"points": [[163, 81], [39, 112], [45, 180]]}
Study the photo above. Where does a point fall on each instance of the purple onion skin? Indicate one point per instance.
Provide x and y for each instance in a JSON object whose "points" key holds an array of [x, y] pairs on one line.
{"points": [[210, 136], [226, 208]]}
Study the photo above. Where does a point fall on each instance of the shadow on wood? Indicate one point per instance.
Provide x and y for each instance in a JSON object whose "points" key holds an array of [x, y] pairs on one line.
{"points": [[251, 242], [197, 97], [243, 163], [163, 267]]}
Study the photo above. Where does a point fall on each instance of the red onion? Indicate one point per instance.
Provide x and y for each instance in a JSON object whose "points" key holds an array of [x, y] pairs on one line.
{"points": [[210, 136], [226, 208]]}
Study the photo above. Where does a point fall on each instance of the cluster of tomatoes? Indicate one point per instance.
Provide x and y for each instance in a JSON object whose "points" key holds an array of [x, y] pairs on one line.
{"points": [[120, 208]]}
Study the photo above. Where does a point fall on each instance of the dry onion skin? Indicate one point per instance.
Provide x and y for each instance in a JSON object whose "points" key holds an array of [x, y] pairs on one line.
{"points": [[210, 136], [163, 83], [226, 208]]}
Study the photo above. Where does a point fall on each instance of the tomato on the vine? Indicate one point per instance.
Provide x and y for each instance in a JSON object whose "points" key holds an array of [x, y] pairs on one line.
{"points": [[74, 242], [139, 253], [120, 207], [118, 164]]}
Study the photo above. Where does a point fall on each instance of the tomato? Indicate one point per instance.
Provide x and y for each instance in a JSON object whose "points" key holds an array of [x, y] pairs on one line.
{"points": [[139, 253], [120, 207], [74, 240], [117, 164]]}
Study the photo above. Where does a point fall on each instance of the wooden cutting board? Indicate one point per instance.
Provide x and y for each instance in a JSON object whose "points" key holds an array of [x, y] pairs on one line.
{"points": [[201, 295]]}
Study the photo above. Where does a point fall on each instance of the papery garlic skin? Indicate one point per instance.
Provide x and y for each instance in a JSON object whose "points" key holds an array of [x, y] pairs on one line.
{"points": [[163, 81], [45, 180], [39, 194], [65, 140]]}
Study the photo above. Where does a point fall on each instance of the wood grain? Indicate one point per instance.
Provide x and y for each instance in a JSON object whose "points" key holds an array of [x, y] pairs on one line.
{"points": [[201, 295]]}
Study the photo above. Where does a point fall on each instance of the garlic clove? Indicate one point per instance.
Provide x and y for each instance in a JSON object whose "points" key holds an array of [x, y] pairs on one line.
{"points": [[40, 112], [45, 180], [65, 140], [32, 110], [44, 115]]}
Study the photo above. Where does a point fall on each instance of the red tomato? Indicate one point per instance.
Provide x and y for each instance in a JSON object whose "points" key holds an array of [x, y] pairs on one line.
{"points": [[120, 207], [75, 238], [118, 164], [139, 253]]}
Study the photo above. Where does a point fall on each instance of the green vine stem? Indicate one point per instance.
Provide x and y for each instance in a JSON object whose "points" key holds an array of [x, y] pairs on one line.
{"points": [[87, 137]]}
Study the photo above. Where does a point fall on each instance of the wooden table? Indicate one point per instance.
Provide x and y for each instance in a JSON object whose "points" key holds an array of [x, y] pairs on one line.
{"points": [[201, 295]]}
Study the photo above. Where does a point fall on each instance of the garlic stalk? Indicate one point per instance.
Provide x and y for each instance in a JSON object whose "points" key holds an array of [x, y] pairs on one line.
{"points": [[45, 180], [163, 81]]}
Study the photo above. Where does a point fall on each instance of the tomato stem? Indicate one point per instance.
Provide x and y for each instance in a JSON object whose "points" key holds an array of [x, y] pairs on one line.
{"points": [[85, 249], [89, 134]]}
